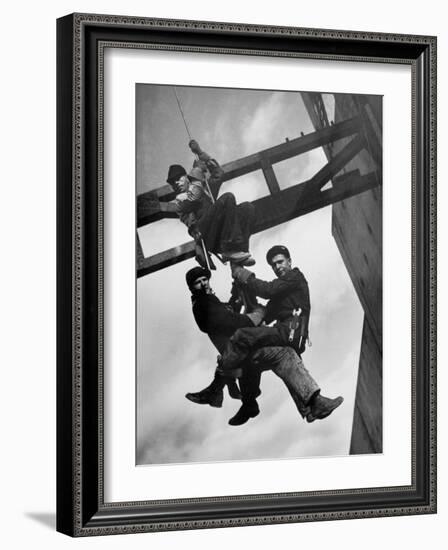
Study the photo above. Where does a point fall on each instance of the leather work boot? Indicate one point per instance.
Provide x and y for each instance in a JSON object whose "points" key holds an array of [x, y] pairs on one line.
{"points": [[239, 258], [244, 414], [323, 407], [208, 396]]}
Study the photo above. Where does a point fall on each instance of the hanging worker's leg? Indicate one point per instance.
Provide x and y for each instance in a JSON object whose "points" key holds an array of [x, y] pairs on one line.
{"points": [[244, 341], [250, 390], [288, 366], [213, 394], [222, 232], [246, 216], [304, 390]]}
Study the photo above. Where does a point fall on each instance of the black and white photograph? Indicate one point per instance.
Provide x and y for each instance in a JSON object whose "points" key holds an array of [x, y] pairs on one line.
{"points": [[258, 274]]}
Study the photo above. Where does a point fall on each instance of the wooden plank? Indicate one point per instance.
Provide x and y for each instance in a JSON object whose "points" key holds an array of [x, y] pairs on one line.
{"points": [[273, 210]]}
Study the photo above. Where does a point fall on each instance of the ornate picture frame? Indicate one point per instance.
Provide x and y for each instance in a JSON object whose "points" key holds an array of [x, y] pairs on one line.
{"points": [[81, 506]]}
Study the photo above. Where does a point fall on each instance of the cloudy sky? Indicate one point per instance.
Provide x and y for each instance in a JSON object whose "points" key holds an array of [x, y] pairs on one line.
{"points": [[173, 356]]}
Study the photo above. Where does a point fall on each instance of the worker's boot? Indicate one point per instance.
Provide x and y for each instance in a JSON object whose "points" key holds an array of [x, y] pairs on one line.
{"points": [[238, 258], [321, 407], [247, 410], [211, 395]]}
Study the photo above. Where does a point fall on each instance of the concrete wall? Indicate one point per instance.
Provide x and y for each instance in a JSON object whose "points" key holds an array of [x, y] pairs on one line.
{"points": [[357, 230]]}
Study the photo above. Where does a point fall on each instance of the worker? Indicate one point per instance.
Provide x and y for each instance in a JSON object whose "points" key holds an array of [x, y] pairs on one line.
{"points": [[289, 307], [217, 320], [224, 226]]}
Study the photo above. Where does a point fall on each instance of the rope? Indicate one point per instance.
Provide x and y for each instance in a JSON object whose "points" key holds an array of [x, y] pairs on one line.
{"points": [[182, 113], [209, 191], [206, 256]]}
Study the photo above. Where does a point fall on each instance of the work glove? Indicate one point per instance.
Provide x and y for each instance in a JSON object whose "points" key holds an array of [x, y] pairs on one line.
{"points": [[194, 146], [235, 302], [240, 274]]}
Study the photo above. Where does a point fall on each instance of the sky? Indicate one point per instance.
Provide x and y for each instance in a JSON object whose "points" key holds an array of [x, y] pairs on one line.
{"points": [[173, 356]]}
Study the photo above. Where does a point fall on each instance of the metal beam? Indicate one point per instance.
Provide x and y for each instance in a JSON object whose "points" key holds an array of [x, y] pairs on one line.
{"points": [[290, 149], [269, 176], [270, 211], [316, 111], [372, 133], [165, 259], [140, 255], [336, 164], [272, 155], [150, 209]]}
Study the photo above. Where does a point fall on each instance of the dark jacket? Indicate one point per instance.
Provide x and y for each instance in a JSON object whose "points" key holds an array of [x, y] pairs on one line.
{"points": [[284, 294], [217, 319]]}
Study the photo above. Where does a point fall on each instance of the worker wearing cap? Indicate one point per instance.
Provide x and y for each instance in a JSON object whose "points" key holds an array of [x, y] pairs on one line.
{"points": [[220, 323], [288, 293], [289, 307], [225, 226]]}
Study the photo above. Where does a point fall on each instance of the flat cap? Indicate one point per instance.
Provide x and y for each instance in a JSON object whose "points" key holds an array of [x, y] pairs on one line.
{"points": [[175, 171], [195, 273], [277, 249]]}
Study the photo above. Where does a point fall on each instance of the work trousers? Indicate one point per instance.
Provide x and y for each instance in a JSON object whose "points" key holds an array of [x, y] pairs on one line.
{"points": [[247, 340], [288, 366], [226, 226]]}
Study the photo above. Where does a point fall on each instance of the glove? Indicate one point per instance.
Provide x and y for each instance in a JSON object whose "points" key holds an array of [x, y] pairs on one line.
{"points": [[241, 274], [194, 146]]}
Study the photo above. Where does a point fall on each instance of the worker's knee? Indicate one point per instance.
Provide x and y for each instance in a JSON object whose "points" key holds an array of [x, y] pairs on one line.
{"points": [[247, 208], [290, 355], [241, 337], [286, 360], [227, 199]]}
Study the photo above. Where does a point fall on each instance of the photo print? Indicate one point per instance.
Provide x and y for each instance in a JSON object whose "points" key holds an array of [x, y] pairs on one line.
{"points": [[258, 274]]}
